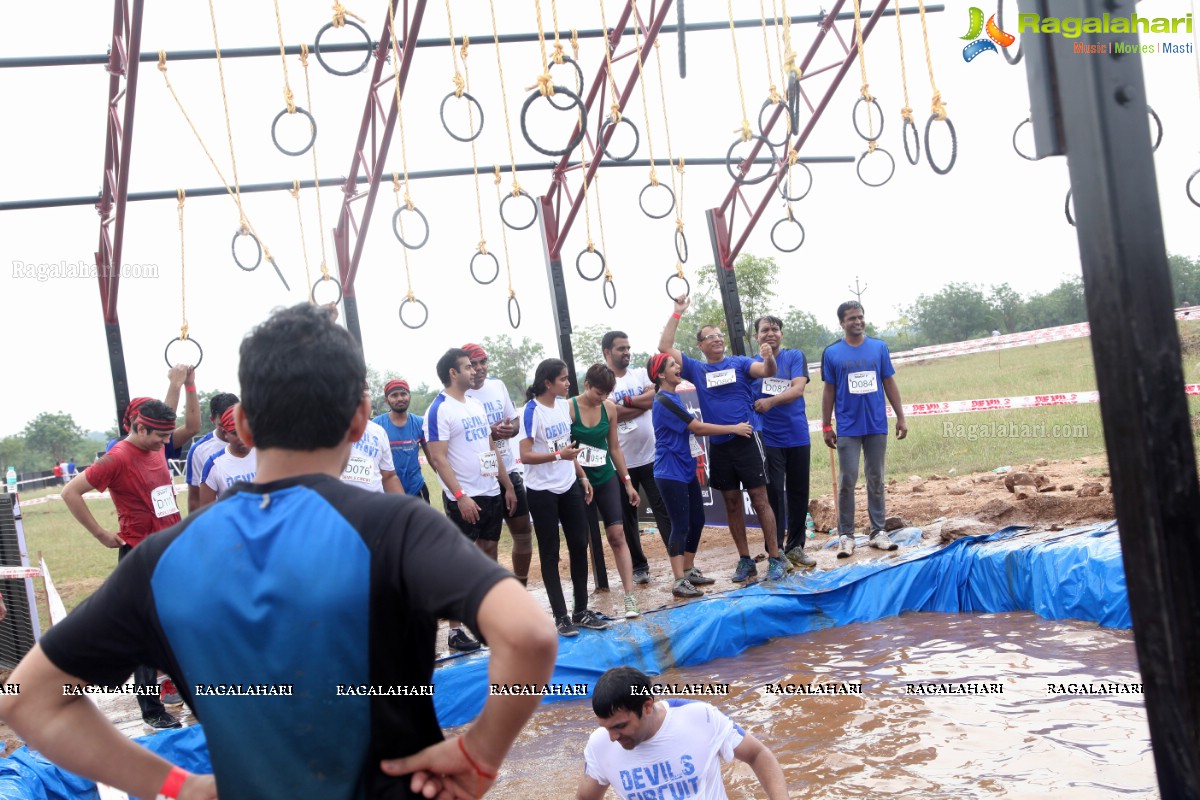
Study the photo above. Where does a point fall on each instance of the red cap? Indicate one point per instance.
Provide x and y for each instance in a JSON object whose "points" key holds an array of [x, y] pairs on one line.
{"points": [[394, 384], [475, 352]]}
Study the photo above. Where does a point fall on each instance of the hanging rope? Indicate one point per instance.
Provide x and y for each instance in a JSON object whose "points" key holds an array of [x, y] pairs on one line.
{"points": [[746, 132], [516, 191], [773, 96], [615, 117], [789, 54], [325, 276], [912, 154], [681, 251], [513, 304], [339, 21], [546, 88], [460, 89], [587, 218], [410, 297], [212, 14], [608, 276], [289, 99], [871, 136], [559, 57], [409, 205], [937, 107], [183, 322], [654, 182]]}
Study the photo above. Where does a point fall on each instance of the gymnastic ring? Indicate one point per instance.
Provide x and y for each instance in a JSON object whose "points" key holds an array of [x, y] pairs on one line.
{"points": [[279, 272], [1026, 121], [681, 247], [167, 350], [783, 192], [512, 303], [442, 113], [775, 227], [608, 282], [734, 173], [396, 227], [509, 196], [575, 101], [495, 261], [854, 119], [331, 70], [1159, 125], [579, 263], [312, 124], [953, 145], [1191, 196], [1014, 60], [405, 322], [637, 138], [858, 167], [578, 80], [687, 286], [326, 279], [233, 248], [787, 116], [913, 157], [1067, 208], [642, 196]]}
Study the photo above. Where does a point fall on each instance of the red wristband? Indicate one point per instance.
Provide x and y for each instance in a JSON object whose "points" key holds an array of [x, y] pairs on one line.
{"points": [[676, 316], [191, 388], [173, 783], [458, 495], [485, 775], [827, 428]]}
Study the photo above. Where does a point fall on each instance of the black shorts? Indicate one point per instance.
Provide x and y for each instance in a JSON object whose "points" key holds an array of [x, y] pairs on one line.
{"points": [[491, 514], [606, 498], [518, 482], [738, 461]]}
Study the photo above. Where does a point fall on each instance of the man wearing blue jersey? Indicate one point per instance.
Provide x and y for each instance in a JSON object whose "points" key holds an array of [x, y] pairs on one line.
{"points": [[296, 604], [406, 435], [724, 387], [858, 374]]}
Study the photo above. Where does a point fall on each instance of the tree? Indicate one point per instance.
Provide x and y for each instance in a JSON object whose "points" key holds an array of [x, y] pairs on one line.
{"points": [[802, 331], [513, 363], [1008, 307], [1062, 305], [1185, 279], [957, 313], [756, 281], [422, 397], [52, 436], [13, 453], [585, 344]]}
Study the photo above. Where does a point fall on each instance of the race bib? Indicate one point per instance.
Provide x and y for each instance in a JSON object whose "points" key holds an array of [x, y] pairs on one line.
{"points": [[863, 382], [360, 470], [774, 386], [720, 378], [163, 500], [694, 446], [561, 443], [592, 456], [502, 446], [627, 426], [488, 466]]}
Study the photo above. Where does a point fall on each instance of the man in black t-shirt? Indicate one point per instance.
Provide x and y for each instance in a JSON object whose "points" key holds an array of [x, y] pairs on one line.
{"points": [[294, 607]]}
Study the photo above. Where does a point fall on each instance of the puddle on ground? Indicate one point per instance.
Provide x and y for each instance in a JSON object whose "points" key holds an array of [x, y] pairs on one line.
{"points": [[1025, 742]]}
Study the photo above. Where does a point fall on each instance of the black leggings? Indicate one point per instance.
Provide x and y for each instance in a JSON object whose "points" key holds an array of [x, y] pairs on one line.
{"points": [[548, 511], [685, 505]]}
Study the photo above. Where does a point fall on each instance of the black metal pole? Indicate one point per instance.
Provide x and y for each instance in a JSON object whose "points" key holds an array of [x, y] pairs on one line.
{"points": [[731, 301], [116, 361], [560, 309], [1135, 344]]}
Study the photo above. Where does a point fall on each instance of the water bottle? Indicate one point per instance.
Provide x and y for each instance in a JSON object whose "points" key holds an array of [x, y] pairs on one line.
{"points": [[809, 526], [11, 480]]}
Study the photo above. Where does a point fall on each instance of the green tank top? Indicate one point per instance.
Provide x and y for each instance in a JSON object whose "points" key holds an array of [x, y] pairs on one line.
{"points": [[595, 438]]}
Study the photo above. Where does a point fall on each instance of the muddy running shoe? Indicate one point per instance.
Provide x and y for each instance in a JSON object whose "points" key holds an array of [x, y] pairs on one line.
{"points": [[458, 640], [799, 558], [684, 588], [565, 627], [745, 569], [697, 578], [162, 721], [641, 576], [168, 694], [588, 619], [880, 541], [777, 569], [631, 607], [845, 546]]}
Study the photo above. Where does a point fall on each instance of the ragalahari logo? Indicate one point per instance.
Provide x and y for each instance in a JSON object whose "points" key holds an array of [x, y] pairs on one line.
{"points": [[979, 45]]}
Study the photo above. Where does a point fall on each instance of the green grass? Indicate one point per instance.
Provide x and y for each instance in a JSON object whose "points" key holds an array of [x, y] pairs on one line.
{"points": [[79, 564]]}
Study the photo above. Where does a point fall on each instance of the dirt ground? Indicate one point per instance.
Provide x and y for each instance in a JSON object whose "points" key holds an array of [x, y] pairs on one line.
{"points": [[1044, 495]]}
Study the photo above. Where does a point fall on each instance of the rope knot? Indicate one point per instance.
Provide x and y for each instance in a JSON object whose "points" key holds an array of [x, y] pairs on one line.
{"points": [[340, 12], [408, 201], [412, 298], [290, 99], [774, 96], [679, 167], [678, 268], [304, 55], [497, 177], [295, 188], [871, 145], [162, 60], [679, 224], [938, 107], [460, 85], [182, 196], [614, 111], [325, 272], [653, 177], [747, 133], [793, 157], [545, 85], [865, 91], [183, 331], [575, 43], [591, 246], [790, 66], [482, 247], [559, 54], [466, 43], [516, 189], [907, 113]]}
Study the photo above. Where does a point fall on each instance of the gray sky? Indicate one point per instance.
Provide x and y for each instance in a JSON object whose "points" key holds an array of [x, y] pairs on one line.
{"points": [[995, 218]]}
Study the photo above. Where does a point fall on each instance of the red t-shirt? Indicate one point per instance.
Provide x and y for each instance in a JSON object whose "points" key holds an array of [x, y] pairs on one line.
{"points": [[139, 482]]}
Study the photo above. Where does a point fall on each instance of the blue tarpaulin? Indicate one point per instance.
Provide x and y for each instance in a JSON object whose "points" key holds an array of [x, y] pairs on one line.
{"points": [[1075, 574]]}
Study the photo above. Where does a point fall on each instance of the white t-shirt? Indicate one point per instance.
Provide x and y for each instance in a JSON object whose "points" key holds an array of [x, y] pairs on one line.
{"points": [[498, 405], [683, 759], [465, 429], [636, 435], [370, 457], [224, 469], [199, 455], [550, 429]]}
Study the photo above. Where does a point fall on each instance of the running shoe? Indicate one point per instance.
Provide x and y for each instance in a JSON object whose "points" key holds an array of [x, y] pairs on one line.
{"points": [[845, 546], [880, 541], [162, 721], [800, 558], [745, 569], [631, 607], [697, 578], [458, 640], [566, 627], [168, 694], [777, 569], [588, 619], [641, 576], [684, 588]]}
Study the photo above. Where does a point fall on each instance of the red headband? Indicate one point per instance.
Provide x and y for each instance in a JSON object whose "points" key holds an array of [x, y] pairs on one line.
{"points": [[159, 425], [475, 352], [394, 384], [657, 362], [131, 410], [227, 423]]}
